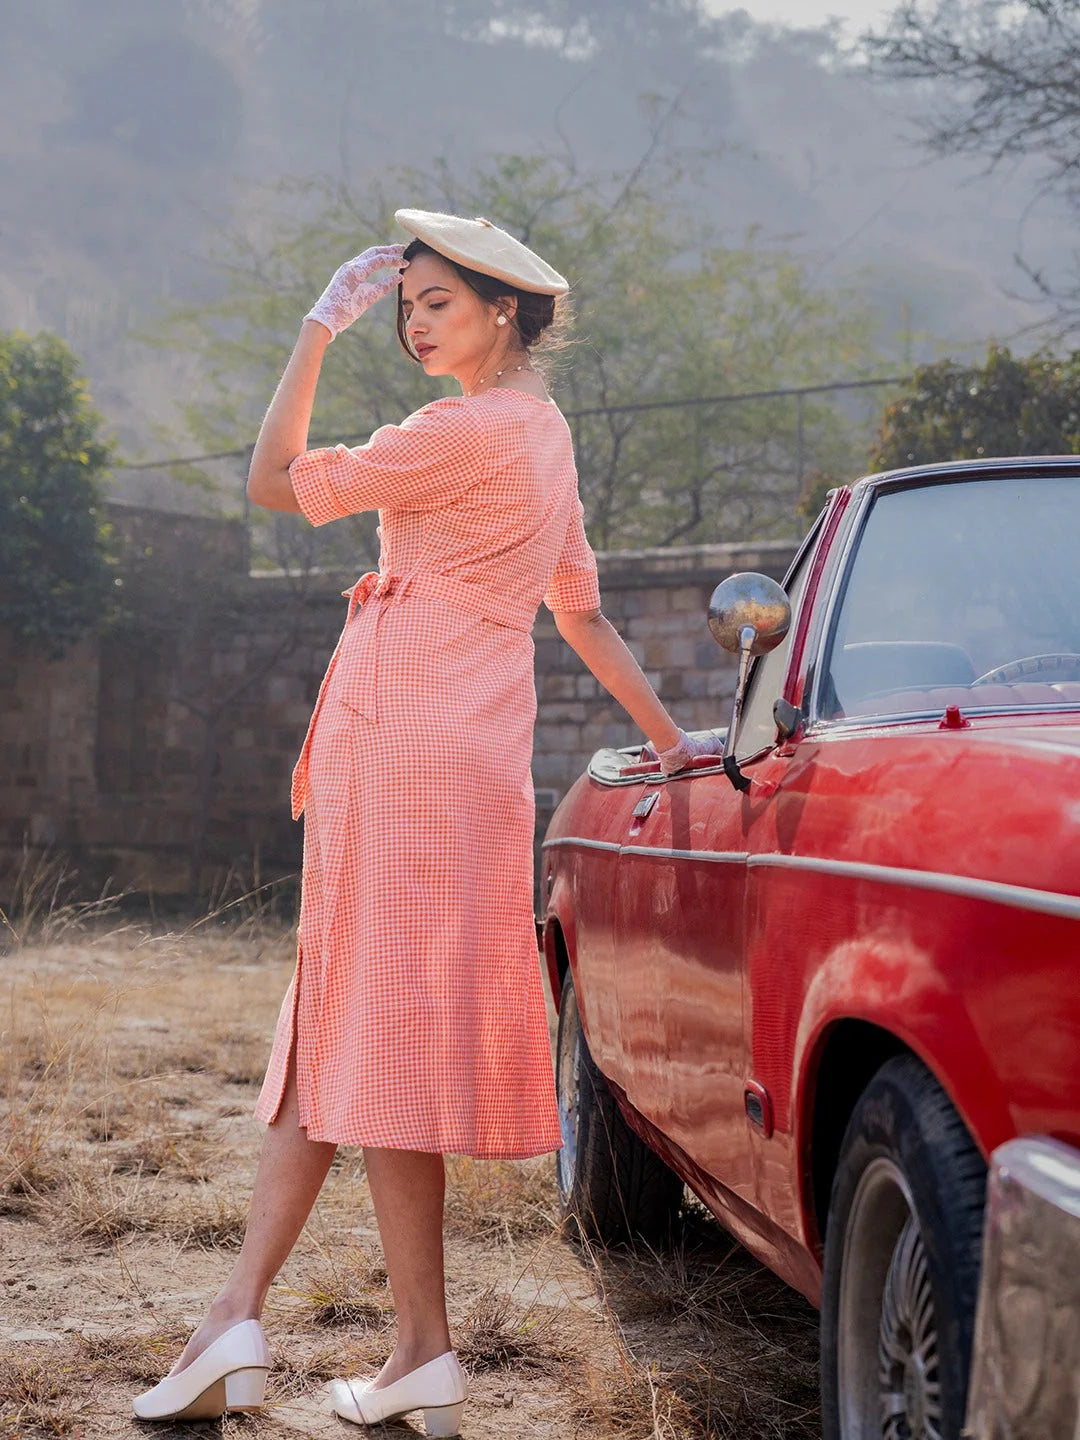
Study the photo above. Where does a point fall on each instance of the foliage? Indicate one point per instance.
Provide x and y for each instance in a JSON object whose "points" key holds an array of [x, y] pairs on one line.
{"points": [[1008, 406], [814, 494], [55, 577], [1008, 87], [665, 310]]}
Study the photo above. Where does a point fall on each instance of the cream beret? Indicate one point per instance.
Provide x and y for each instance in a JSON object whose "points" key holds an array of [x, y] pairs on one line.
{"points": [[480, 245]]}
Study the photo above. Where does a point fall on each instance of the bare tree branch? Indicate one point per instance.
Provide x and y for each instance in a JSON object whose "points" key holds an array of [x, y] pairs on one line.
{"points": [[1005, 77]]}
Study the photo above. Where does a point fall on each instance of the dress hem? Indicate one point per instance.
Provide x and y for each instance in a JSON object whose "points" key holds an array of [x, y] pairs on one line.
{"points": [[513, 1154]]}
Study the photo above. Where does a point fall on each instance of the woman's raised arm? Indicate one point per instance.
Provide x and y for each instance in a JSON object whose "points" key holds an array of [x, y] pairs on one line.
{"points": [[284, 430]]}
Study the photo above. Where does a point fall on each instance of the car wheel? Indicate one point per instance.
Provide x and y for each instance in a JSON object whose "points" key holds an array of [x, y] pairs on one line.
{"points": [[610, 1183], [903, 1245]]}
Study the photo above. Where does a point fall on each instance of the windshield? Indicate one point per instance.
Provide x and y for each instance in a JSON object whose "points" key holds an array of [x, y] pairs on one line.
{"points": [[961, 594]]}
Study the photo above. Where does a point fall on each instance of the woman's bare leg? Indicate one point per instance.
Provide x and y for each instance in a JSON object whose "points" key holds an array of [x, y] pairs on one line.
{"points": [[407, 1187], [290, 1175]]}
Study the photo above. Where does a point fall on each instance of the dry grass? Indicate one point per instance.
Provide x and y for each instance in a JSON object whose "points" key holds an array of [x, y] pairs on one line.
{"points": [[128, 1061], [47, 903], [189, 1155], [28, 1174], [98, 1139], [497, 1332], [99, 1204], [704, 1338], [39, 1395], [351, 1290], [499, 1197], [122, 1358], [300, 1373], [623, 1398], [88, 1153]]}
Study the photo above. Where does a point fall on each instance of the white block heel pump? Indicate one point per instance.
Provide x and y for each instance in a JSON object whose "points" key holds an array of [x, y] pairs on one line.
{"points": [[439, 1388], [445, 1419], [230, 1374], [245, 1389]]}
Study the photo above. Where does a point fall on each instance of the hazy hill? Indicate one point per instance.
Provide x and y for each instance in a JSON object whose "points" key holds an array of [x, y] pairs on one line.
{"points": [[132, 132]]}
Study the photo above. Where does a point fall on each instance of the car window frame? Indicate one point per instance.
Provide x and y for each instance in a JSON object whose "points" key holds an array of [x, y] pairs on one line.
{"points": [[804, 554], [876, 488]]}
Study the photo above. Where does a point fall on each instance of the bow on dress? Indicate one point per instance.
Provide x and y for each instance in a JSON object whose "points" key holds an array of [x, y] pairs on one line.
{"points": [[371, 583]]}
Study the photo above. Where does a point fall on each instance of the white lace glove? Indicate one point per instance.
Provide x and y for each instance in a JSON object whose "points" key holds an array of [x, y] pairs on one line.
{"points": [[348, 295], [685, 748]]}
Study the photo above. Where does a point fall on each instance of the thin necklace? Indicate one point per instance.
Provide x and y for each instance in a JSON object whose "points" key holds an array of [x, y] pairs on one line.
{"points": [[495, 376]]}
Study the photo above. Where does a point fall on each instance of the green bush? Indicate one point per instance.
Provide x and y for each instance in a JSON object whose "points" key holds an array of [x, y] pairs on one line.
{"points": [[56, 581], [1008, 406]]}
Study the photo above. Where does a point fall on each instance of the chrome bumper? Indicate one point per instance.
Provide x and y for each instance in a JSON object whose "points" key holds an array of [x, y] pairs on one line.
{"points": [[1025, 1369]]}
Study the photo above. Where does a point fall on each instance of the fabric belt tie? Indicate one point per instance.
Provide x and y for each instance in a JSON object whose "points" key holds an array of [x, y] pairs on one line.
{"points": [[502, 609]]}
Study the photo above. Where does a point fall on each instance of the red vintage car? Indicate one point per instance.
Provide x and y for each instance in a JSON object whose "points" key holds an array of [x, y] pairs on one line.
{"points": [[821, 981]]}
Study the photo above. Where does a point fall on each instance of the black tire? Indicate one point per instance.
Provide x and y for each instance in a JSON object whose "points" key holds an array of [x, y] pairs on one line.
{"points": [[903, 1246], [610, 1183]]}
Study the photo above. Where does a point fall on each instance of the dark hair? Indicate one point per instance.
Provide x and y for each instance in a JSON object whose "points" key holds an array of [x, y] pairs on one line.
{"points": [[535, 313]]}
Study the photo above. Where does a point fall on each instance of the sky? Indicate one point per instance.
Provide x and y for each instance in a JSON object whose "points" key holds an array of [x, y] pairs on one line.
{"points": [[856, 15]]}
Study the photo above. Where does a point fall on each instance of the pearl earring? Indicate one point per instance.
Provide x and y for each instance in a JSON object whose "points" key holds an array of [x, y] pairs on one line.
{"points": [[500, 320]]}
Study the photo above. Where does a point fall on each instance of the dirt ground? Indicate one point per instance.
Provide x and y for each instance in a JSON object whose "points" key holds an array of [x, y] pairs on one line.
{"points": [[130, 1058]]}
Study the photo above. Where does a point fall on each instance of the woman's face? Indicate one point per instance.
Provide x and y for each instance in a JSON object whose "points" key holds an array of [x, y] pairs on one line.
{"points": [[451, 329]]}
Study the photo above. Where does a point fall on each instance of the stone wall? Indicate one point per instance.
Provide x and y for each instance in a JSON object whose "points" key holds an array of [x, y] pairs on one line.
{"points": [[657, 600], [159, 752]]}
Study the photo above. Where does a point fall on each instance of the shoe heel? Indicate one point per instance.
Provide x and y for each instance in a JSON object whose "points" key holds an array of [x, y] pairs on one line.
{"points": [[245, 1389], [444, 1419]]}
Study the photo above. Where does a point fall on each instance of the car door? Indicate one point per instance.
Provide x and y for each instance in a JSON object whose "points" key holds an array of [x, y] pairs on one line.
{"points": [[592, 880], [679, 940]]}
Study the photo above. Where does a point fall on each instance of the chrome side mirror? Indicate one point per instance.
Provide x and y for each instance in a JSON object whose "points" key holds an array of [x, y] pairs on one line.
{"points": [[749, 615]]}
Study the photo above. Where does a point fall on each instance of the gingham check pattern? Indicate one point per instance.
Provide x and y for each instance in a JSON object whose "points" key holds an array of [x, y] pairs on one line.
{"points": [[416, 1004]]}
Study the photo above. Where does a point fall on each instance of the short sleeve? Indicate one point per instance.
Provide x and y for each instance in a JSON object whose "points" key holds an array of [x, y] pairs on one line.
{"points": [[431, 460], [574, 585]]}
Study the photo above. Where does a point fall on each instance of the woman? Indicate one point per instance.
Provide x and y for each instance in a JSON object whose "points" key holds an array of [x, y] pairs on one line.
{"points": [[414, 1024]]}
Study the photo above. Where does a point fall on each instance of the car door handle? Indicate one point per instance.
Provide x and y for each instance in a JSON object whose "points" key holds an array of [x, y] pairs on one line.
{"points": [[641, 812], [644, 806]]}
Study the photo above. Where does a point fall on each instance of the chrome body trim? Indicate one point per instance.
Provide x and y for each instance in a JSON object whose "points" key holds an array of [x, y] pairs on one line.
{"points": [[607, 769], [844, 725], [711, 857], [993, 467], [997, 892]]}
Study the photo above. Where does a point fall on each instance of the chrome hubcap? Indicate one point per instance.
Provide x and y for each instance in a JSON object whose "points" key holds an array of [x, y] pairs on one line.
{"points": [[908, 1346], [567, 1086], [887, 1345]]}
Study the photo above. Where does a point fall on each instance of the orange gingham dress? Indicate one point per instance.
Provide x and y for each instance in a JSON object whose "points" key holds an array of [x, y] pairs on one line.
{"points": [[417, 1004]]}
